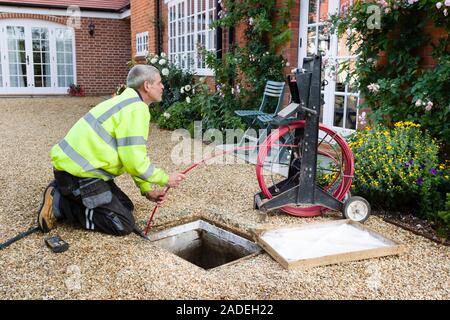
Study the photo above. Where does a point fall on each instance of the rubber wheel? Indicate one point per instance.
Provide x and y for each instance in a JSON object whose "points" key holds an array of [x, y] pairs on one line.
{"points": [[356, 209]]}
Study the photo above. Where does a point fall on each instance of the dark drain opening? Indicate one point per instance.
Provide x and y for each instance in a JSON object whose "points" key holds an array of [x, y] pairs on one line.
{"points": [[204, 244]]}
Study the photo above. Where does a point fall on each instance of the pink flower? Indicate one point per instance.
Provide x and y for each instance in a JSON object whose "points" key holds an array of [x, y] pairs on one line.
{"points": [[418, 103], [362, 118], [383, 3], [439, 5], [447, 3], [429, 106]]}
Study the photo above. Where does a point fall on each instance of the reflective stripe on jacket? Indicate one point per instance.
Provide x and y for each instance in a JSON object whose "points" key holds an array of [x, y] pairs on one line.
{"points": [[109, 140]]}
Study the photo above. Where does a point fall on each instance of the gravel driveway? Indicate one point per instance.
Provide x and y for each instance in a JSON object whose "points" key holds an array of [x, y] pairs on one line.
{"points": [[98, 266]]}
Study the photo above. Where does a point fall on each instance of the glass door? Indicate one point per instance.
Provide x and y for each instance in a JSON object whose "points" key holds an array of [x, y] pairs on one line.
{"points": [[340, 99], [41, 58], [18, 59], [37, 57]]}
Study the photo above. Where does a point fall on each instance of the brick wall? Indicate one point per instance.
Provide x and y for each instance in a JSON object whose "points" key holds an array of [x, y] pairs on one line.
{"points": [[101, 59], [143, 13]]}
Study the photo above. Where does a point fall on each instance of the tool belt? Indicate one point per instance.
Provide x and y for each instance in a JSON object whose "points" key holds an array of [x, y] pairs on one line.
{"points": [[94, 192]]}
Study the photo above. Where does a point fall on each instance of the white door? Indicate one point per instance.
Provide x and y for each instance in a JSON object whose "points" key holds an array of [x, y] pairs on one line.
{"points": [[37, 57], [340, 100]]}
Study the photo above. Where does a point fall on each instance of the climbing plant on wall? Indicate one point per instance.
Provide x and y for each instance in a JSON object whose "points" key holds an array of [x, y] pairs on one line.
{"points": [[242, 72], [389, 36]]}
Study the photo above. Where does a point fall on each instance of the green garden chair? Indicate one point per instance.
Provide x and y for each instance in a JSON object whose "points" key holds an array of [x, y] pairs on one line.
{"points": [[272, 90]]}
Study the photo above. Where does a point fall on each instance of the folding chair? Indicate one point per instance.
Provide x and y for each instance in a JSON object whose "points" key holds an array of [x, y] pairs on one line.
{"points": [[272, 89]]}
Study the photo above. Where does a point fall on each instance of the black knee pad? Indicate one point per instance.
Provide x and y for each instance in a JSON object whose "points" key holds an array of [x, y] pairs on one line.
{"points": [[118, 227]]}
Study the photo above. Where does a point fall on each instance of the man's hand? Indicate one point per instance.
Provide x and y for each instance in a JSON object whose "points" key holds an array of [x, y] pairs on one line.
{"points": [[157, 196], [175, 179]]}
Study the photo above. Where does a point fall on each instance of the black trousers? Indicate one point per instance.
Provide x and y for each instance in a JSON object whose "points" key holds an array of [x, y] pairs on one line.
{"points": [[112, 215]]}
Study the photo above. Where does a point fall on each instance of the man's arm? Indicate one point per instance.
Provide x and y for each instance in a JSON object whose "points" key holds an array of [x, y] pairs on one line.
{"points": [[131, 136]]}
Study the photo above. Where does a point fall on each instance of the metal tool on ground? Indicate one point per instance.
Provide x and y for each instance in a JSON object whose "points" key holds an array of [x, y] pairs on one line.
{"points": [[56, 244]]}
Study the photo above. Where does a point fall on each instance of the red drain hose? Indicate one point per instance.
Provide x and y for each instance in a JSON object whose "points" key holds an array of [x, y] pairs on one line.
{"points": [[347, 164], [265, 147]]}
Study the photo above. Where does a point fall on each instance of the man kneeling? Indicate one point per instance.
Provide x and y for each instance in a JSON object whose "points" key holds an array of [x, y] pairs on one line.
{"points": [[109, 140]]}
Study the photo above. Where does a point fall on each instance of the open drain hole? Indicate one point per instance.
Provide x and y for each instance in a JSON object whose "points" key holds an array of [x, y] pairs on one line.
{"points": [[204, 244]]}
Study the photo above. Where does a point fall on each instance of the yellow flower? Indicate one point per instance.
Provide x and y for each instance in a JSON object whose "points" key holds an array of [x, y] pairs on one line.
{"points": [[405, 124]]}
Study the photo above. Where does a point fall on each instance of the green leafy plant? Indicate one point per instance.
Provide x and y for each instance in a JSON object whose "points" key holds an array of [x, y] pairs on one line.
{"points": [[243, 71], [398, 169], [389, 71], [178, 83], [443, 220], [181, 114]]}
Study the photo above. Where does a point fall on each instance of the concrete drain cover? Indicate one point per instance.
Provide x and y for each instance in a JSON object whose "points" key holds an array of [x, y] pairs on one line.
{"points": [[204, 244]]}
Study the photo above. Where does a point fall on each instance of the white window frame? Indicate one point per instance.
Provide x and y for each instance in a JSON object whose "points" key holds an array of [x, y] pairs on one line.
{"points": [[30, 88], [142, 44], [177, 41], [332, 52]]}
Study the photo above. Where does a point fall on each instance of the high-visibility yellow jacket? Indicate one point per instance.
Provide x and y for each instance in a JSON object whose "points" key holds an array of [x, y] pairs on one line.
{"points": [[109, 140]]}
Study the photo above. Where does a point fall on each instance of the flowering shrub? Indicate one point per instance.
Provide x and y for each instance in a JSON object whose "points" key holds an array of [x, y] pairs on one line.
{"points": [[398, 169], [181, 114], [389, 71], [177, 82]]}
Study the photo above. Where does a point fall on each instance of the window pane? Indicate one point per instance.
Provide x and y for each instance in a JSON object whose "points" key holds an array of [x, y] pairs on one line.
{"points": [[1, 72], [59, 45], [323, 10], [45, 45], [36, 45], [62, 81], [68, 58], [312, 14], [37, 69], [338, 111], [311, 41], [47, 81], [60, 57], [68, 46], [46, 70], [38, 81], [46, 57], [350, 122], [69, 70]]}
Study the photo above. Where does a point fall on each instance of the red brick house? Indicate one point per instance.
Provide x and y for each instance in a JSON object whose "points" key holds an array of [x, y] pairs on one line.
{"points": [[185, 23], [47, 45]]}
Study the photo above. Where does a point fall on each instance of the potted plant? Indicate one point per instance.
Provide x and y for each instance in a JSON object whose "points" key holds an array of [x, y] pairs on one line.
{"points": [[76, 90]]}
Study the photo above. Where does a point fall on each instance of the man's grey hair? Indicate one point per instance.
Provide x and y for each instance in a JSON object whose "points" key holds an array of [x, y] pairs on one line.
{"points": [[139, 74]]}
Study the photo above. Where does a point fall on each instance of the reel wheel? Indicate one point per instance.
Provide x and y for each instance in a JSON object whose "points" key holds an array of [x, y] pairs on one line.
{"points": [[356, 209]]}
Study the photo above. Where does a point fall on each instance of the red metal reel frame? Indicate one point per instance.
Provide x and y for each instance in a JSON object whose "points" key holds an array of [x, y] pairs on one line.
{"points": [[347, 162]]}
